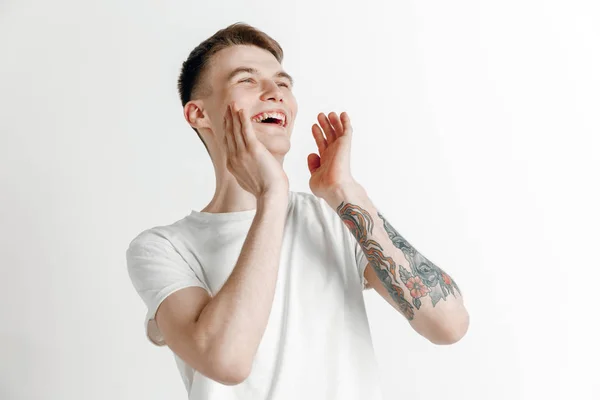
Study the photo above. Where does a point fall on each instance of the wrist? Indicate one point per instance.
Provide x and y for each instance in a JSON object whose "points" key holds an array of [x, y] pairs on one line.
{"points": [[351, 191], [273, 198]]}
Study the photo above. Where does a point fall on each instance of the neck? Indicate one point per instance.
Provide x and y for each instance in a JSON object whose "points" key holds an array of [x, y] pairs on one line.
{"points": [[229, 195]]}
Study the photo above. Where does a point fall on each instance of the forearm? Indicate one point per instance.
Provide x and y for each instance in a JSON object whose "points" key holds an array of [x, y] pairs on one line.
{"points": [[426, 295], [236, 318]]}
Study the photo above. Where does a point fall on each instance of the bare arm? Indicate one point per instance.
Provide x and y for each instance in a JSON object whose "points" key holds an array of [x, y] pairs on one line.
{"points": [[233, 323], [220, 336], [407, 280], [400, 274]]}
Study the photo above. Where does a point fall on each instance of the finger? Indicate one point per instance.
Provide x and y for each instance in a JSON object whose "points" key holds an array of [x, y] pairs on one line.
{"points": [[237, 130], [227, 132], [243, 141], [346, 124], [247, 130], [319, 138], [314, 162], [327, 128], [336, 124]]}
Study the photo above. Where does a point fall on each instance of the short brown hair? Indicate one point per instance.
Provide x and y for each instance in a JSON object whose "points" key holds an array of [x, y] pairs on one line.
{"points": [[194, 68]]}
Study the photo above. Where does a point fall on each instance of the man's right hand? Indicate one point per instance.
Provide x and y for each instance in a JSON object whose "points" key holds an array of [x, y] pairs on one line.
{"points": [[248, 160]]}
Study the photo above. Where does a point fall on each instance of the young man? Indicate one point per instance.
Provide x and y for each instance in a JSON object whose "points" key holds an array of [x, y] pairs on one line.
{"points": [[259, 295]]}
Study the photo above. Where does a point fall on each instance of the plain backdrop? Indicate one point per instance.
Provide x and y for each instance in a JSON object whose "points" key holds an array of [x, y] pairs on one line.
{"points": [[476, 130]]}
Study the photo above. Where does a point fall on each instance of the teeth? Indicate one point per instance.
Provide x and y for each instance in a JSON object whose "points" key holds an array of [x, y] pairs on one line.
{"points": [[262, 116]]}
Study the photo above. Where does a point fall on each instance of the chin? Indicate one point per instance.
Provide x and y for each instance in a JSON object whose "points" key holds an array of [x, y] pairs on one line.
{"points": [[277, 145], [276, 139]]}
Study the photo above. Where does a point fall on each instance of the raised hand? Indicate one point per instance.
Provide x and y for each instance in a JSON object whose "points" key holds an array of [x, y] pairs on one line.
{"points": [[248, 160], [330, 169]]}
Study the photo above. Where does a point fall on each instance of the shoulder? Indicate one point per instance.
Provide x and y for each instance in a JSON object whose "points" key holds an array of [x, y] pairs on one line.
{"points": [[154, 235], [165, 236], [152, 245]]}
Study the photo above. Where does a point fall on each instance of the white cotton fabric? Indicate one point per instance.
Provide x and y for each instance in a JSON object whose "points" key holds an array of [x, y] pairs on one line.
{"points": [[317, 343]]}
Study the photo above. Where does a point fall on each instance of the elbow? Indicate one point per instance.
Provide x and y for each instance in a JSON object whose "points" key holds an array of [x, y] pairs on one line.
{"points": [[452, 331], [226, 369], [227, 373], [231, 376]]}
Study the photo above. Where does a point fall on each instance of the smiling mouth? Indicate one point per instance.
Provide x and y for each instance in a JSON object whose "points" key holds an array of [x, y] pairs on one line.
{"points": [[271, 118]]}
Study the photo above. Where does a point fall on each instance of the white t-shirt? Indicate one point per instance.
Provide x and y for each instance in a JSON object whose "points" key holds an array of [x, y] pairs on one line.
{"points": [[317, 343]]}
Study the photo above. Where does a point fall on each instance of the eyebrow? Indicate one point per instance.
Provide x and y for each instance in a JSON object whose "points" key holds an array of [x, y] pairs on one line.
{"points": [[239, 70]]}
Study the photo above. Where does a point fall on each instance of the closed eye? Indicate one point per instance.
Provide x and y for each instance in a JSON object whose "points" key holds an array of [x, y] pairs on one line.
{"points": [[250, 80]]}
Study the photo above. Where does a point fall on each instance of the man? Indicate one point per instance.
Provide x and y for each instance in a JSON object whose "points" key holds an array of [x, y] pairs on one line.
{"points": [[259, 295]]}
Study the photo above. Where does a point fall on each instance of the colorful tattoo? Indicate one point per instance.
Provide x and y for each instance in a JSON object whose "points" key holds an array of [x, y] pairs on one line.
{"points": [[425, 279], [360, 224]]}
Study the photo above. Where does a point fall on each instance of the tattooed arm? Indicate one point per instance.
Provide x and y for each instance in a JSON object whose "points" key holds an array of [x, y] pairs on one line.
{"points": [[427, 296]]}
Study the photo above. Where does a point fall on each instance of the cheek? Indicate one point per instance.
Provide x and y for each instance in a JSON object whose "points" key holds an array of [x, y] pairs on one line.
{"points": [[292, 99], [239, 94], [293, 104], [243, 100]]}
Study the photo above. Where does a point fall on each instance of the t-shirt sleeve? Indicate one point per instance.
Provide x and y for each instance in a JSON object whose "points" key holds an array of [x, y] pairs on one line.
{"points": [[157, 270]]}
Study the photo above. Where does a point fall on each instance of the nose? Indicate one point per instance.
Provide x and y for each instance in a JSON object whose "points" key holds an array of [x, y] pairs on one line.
{"points": [[272, 92]]}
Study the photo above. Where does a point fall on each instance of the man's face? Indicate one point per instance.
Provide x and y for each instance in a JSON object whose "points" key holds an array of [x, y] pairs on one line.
{"points": [[253, 79]]}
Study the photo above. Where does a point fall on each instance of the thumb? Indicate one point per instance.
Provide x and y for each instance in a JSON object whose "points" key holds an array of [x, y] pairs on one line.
{"points": [[314, 162]]}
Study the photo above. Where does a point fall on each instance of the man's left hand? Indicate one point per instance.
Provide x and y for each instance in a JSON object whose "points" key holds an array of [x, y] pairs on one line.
{"points": [[330, 169]]}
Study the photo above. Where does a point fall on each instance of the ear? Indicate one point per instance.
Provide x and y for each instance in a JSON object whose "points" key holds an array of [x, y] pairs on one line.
{"points": [[194, 113]]}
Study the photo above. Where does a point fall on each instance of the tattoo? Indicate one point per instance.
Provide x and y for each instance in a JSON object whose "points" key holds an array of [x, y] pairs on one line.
{"points": [[360, 224], [438, 282], [424, 279]]}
